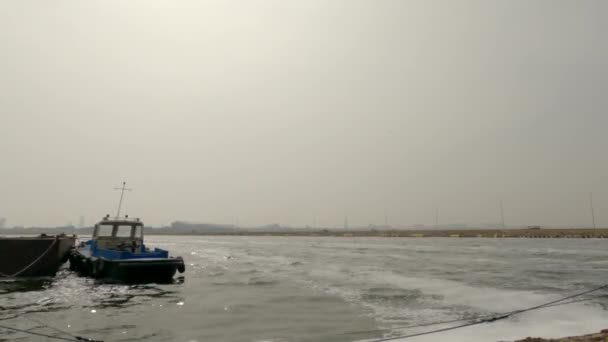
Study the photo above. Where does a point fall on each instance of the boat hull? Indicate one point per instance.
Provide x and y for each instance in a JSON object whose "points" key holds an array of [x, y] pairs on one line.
{"points": [[145, 270], [33, 256]]}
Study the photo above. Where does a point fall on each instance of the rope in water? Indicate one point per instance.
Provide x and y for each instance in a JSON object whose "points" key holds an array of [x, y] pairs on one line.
{"points": [[491, 318], [29, 331], [75, 338], [78, 338], [30, 264]]}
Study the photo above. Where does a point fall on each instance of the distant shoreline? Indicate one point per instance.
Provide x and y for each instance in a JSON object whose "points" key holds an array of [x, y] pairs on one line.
{"points": [[388, 233], [449, 233]]}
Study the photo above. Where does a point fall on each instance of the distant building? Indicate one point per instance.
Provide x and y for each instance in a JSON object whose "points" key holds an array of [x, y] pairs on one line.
{"points": [[2, 222]]}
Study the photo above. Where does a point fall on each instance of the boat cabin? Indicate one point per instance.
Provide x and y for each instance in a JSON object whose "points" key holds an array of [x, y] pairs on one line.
{"points": [[121, 234]]}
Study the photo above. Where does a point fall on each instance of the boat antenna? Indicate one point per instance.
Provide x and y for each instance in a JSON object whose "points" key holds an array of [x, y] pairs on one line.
{"points": [[122, 194]]}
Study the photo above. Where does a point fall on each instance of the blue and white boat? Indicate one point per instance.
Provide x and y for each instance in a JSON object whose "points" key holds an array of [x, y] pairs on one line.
{"points": [[117, 252]]}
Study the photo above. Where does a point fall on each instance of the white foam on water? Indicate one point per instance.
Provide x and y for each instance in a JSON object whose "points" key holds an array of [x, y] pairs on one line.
{"points": [[558, 321], [456, 293], [554, 322]]}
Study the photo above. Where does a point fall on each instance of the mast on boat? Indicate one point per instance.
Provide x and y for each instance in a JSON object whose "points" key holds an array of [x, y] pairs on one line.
{"points": [[122, 194]]}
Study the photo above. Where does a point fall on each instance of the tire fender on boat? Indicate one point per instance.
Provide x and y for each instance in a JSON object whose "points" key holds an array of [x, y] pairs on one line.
{"points": [[72, 259], [82, 265], [97, 268], [79, 264], [181, 267], [93, 265], [87, 267]]}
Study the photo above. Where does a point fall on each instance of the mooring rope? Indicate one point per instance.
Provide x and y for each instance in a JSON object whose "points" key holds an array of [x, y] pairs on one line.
{"points": [[490, 318], [75, 338], [29, 331], [78, 338], [32, 263], [43, 325]]}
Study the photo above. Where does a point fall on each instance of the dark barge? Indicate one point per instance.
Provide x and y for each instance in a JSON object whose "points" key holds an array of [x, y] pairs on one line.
{"points": [[39, 256]]}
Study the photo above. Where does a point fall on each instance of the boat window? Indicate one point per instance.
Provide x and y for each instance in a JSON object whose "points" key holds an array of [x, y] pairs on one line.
{"points": [[124, 231], [138, 231], [104, 230]]}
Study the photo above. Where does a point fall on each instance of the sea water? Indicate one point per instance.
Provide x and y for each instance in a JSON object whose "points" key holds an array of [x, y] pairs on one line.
{"points": [[326, 289]]}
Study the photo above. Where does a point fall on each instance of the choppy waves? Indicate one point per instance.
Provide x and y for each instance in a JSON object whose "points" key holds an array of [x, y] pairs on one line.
{"points": [[330, 289]]}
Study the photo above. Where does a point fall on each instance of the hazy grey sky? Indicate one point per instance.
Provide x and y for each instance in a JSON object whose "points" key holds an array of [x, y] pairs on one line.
{"points": [[294, 111]]}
